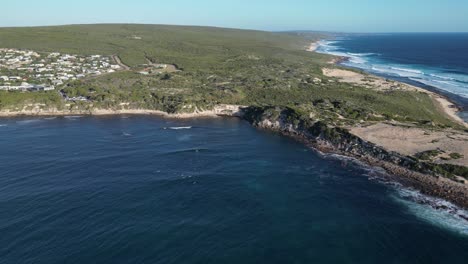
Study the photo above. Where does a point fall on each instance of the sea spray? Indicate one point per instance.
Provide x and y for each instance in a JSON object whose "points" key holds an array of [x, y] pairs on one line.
{"points": [[374, 54]]}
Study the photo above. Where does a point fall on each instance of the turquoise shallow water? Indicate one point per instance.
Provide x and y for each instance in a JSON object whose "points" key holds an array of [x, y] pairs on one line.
{"points": [[137, 190]]}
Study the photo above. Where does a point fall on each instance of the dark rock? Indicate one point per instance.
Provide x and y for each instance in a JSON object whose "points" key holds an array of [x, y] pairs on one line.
{"points": [[338, 140]]}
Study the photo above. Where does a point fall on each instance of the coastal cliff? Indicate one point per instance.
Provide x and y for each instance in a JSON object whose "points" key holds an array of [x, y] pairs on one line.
{"points": [[441, 180], [446, 181]]}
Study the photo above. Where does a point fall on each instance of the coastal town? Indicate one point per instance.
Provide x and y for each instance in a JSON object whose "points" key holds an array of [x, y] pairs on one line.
{"points": [[26, 70]]}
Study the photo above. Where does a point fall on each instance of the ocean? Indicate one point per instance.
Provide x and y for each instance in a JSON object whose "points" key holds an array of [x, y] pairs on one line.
{"points": [[435, 61], [143, 189]]}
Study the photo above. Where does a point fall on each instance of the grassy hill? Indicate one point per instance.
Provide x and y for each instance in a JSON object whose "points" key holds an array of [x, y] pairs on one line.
{"points": [[188, 47], [218, 66]]}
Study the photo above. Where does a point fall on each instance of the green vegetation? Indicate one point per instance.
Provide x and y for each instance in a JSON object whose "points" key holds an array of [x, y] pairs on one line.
{"points": [[449, 171], [456, 156], [191, 48], [270, 72], [217, 66], [428, 155], [19, 100]]}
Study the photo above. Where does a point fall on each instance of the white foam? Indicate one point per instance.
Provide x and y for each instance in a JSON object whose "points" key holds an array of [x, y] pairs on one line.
{"points": [[357, 60], [362, 54], [407, 70], [442, 77], [450, 82], [396, 71], [353, 57], [30, 121], [433, 210], [178, 128], [329, 47], [3, 125], [447, 86]]}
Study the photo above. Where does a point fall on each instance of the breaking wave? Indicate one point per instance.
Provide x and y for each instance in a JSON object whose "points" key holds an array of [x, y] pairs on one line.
{"points": [[434, 210], [329, 47], [29, 121], [452, 82], [178, 128], [73, 117]]}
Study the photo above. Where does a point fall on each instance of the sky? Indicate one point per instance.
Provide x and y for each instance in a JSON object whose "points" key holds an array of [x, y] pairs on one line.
{"points": [[271, 15]]}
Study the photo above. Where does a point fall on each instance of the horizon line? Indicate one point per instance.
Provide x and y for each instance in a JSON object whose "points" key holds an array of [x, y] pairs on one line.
{"points": [[247, 29]]}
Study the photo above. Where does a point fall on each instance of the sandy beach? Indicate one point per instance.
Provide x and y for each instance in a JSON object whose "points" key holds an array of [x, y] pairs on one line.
{"points": [[219, 110], [378, 83], [312, 47]]}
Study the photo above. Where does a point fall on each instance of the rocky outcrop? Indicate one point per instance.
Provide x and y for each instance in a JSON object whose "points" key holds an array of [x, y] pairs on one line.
{"points": [[430, 178], [218, 110], [229, 110], [433, 179]]}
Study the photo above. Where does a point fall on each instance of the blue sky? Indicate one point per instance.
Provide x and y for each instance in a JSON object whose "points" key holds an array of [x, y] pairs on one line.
{"points": [[326, 15]]}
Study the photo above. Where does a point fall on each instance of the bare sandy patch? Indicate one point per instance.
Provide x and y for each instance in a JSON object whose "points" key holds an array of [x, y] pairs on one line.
{"points": [[368, 81], [412, 140], [312, 47]]}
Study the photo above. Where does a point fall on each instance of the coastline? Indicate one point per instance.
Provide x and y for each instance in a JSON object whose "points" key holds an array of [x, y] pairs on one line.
{"points": [[217, 111], [428, 184], [313, 46], [424, 182], [442, 102], [448, 102], [449, 107], [403, 169]]}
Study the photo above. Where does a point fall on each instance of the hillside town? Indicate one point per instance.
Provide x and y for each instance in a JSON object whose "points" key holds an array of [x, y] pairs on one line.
{"points": [[25, 70]]}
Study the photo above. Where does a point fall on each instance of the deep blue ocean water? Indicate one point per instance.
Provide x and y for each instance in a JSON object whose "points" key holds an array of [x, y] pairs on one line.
{"points": [[432, 60], [148, 190]]}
